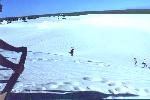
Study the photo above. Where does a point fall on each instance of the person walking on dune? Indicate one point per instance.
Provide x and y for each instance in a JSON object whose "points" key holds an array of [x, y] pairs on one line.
{"points": [[72, 51], [135, 62], [17, 68]]}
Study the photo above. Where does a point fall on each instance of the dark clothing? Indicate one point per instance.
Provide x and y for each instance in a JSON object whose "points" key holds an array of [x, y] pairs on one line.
{"points": [[145, 65], [72, 52]]}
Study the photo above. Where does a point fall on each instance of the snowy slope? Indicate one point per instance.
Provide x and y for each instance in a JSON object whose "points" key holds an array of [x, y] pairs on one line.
{"points": [[105, 46]]}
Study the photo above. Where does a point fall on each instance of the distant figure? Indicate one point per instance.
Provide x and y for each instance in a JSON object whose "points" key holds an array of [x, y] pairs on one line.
{"points": [[144, 63], [72, 51], [135, 62]]}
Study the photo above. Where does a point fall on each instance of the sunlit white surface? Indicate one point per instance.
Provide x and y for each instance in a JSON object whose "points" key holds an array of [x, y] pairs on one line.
{"points": [[105, 46]]}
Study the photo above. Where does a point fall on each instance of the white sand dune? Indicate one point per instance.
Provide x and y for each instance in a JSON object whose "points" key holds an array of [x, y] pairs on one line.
{"points": [[105, 46]]}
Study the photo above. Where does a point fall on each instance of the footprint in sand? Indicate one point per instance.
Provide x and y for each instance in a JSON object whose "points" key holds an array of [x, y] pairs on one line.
{"points": [[78, 62], [137, 90], [30, 51], [87, 78], [124, 84], [29, 59], [51, 83], [121, 89], [143, 92], [51, 59], [38, 52], [6, 77], [14, 58], [76, 88], [100, 64], [104, 80], [37, 60], [40, 59], [111, 83], [34, 60], [89, 61], [48, 53], [68, 83], [113, 91], [118, 90], [146, 90], [65, 87]]}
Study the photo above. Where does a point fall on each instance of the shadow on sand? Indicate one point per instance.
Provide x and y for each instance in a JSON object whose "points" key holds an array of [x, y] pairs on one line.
{"points": [[79, 95]]}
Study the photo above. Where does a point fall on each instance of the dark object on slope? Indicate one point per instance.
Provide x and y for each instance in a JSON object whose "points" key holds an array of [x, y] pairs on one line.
{"points": [[72, 51], [144, 63], [135, 62]]}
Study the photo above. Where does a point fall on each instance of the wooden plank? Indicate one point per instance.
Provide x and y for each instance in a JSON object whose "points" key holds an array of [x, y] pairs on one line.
{"points": [[3, 81]]}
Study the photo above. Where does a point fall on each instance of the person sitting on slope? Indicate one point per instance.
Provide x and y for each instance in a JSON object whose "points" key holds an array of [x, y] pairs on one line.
{"points": [[144, 63]]}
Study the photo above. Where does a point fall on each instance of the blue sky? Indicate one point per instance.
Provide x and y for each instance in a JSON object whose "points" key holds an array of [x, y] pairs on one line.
{"points": [[31, 7]]}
